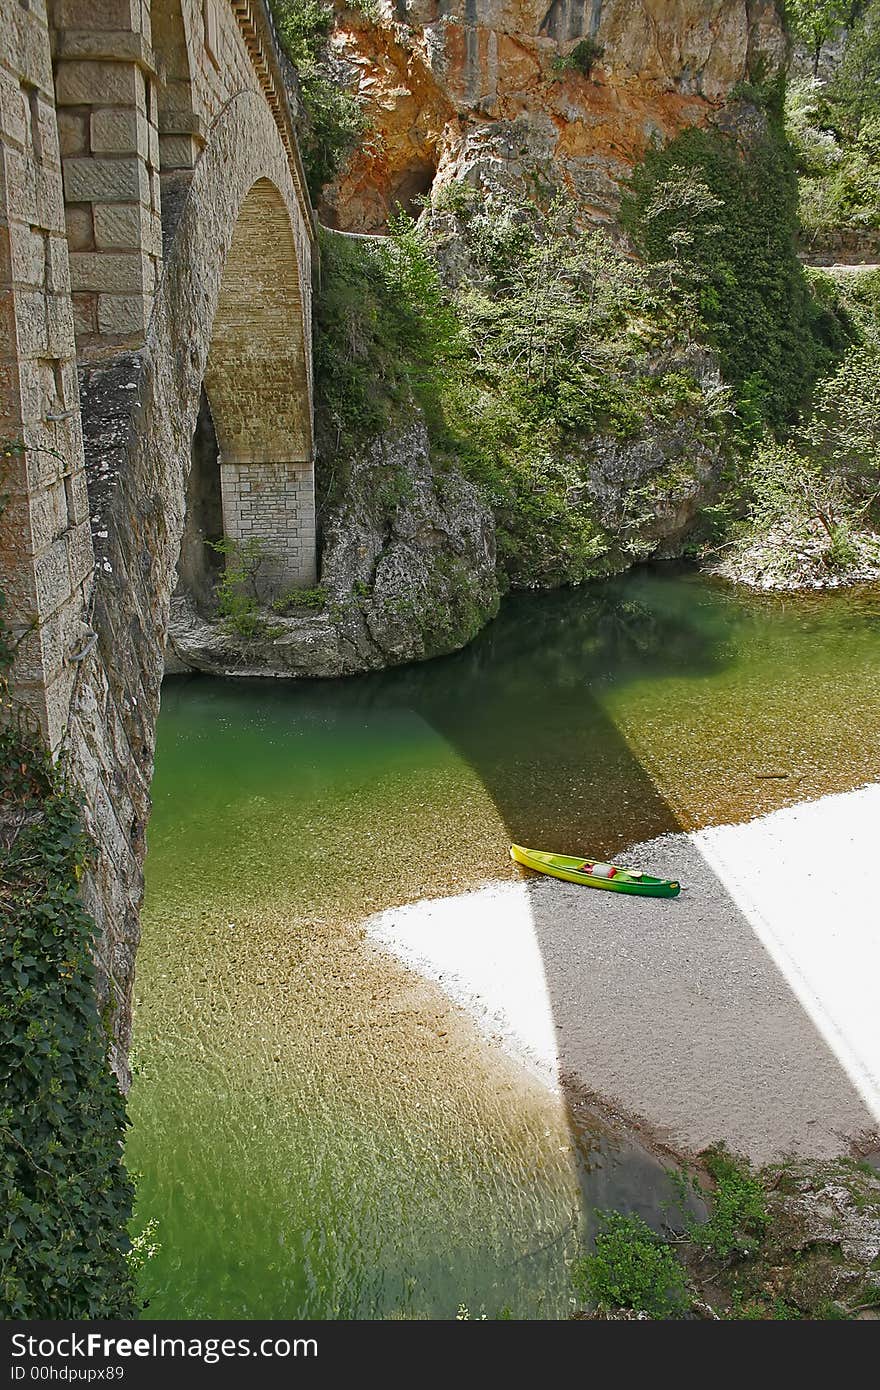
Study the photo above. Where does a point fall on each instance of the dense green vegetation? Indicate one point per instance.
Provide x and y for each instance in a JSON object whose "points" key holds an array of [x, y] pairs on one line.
{"points": [[64, 1193], [806, 504], [718, 225], [632, 1267], [333, 120], [755, 1256], [553, 339], [834, 124]]}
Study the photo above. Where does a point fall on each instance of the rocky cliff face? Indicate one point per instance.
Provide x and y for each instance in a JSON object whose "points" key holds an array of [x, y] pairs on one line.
{"points": [[594, 80], [407, 572]]}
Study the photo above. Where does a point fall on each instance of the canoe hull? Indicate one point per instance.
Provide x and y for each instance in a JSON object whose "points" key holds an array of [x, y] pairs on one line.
{"points": [[564, 866]]}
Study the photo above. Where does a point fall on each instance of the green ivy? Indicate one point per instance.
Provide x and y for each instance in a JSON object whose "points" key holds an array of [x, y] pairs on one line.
{"points": [[66, 1197]]}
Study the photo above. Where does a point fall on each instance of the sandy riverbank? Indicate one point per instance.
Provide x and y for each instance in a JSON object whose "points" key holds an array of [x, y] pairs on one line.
{"points": [[745, 1010]]}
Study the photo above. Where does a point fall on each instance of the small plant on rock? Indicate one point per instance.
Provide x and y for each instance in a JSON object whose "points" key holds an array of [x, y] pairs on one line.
{"points": [[581, 58], [739, 1211]]}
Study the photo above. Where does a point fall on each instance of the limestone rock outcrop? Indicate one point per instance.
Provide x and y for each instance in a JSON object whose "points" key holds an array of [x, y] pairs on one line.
{"points": [[408, 572], [598, 78]]}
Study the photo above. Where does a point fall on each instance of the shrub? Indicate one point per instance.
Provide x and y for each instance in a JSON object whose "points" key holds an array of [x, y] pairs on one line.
{"points": [[632, 1267], [580, 58], [301, 600], [738, 1220]]}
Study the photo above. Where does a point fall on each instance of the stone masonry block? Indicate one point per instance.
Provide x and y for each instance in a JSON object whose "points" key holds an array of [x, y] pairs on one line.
{"points": [[113, 45], [26, 38], [98, 14], [80, 553], [88, 83], [48, 200], [57, 264], [177, 152], [119, 225], [106, 180], [47, 516], [123, 314], [77, 497], [30, 313], [59, 326], [120, 132], [73, 132], [30, 388], [85, 314], [52, 572], [14, 114], [108, 271], [28, 253], [44, 132], [80, 232]]}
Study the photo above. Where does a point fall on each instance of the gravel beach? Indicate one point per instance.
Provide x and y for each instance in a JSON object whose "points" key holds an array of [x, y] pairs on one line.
{"points": [[745, 1010]]}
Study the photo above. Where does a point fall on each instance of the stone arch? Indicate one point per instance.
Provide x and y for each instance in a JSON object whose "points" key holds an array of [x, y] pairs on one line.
{"points": [[140, 412], [257, 386]]}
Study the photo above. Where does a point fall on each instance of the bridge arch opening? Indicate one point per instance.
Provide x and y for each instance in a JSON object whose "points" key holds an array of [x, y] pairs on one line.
{"points": [[257, 387]]}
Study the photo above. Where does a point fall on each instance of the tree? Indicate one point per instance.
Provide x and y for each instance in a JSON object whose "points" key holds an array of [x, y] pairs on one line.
{"points": [[817, 21], [680, 220]]}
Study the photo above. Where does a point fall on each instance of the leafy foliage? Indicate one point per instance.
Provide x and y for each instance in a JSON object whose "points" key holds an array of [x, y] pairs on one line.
{"points": [[814, 22], [738, 1220], [827, 472], [581, 58], [66, 1197], [240, 592], [717, 224], [334, 117], [385, 334], [834, 129], [545, 343], [632, 1267]]}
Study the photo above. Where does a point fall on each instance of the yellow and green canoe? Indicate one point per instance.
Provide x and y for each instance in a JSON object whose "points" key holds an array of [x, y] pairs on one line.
{"points": [[576, 869]]}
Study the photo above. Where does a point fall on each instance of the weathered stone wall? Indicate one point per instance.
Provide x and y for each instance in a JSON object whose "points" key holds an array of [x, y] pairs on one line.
{"points": [[275, 504], [46, 562], [239, 234]]}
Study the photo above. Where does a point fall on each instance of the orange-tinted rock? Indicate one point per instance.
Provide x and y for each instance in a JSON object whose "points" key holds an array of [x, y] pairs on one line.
{"points": [[433, 72]]}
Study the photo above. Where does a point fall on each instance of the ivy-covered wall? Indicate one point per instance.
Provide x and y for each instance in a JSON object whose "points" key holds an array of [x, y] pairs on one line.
{"points": [[65, 1195]]}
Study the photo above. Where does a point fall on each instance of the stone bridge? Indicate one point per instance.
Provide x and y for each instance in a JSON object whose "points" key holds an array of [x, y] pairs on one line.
{"points": [[156, 251]]}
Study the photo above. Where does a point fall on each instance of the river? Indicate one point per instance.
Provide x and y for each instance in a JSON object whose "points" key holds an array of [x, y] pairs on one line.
{"points": [[318, 1133]]}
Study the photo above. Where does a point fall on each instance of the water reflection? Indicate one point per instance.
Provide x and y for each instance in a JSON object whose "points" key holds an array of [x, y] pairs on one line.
{"points": [[315, 1139]]}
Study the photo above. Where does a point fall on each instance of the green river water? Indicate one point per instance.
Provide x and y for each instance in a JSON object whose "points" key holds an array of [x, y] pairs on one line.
{"points": [[317, 1133]]}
